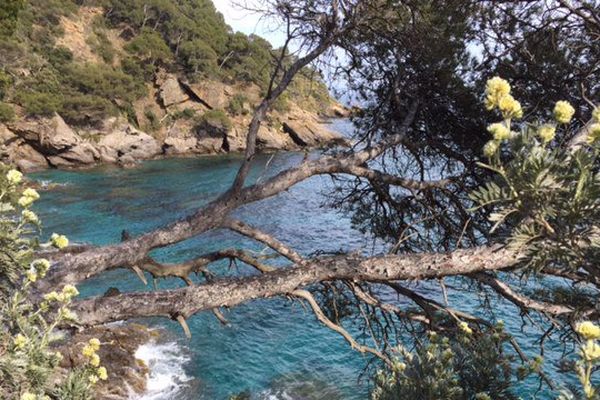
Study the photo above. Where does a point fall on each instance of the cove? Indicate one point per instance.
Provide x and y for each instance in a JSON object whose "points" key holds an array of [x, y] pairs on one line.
{"points": [[273, 348]]}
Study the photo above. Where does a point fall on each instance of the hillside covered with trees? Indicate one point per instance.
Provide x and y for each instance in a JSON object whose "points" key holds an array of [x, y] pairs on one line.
{"points": [[172, 69]]}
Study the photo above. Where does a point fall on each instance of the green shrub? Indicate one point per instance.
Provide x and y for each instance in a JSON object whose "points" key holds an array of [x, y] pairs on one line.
{"points": [[86, 110], [149, 47], [5, 83], [7, 113], [154, 122], [40, 103], [197, 56], [215, 119], [237, 105], [102, 46], [186, 113], [103, 81]]}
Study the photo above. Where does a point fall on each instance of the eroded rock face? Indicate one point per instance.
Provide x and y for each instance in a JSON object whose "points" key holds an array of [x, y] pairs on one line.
{"points": [[171, 92]]}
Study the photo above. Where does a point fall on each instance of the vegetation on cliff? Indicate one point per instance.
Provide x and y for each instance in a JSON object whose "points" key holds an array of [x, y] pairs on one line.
{"points": [[130, 41]]}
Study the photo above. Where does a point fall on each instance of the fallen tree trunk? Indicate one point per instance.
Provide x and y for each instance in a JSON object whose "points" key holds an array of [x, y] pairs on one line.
{"points": [[229, 292]]}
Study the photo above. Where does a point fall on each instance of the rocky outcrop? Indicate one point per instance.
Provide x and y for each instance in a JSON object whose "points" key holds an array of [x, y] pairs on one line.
{"points": [[117, 353], [184, 118]]}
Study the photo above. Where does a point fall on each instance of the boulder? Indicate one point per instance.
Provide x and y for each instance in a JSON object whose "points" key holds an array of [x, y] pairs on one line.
{"points": [[127, 142], [25, 157], [80, 154], [180, 145], [215, 95], [311, 134], [209, 145], [53, 135], [170, 92], [269, 138]]}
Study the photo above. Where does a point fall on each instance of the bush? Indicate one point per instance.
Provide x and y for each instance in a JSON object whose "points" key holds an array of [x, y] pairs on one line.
{"points": [[40, 104], [86, 110], [29, 365], [150, 47], [197, 56], [214, 119], [237, 105], [7, 113]]}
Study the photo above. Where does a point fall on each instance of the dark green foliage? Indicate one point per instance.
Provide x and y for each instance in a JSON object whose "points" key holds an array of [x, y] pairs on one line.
{"points": [[40, 103], [7, 113], [102, 46], [149, 47], [248, 58], [186, 113], [9, 14], [466, 367], [103, 81], [197, 56], [152, 120], [86, 110]]}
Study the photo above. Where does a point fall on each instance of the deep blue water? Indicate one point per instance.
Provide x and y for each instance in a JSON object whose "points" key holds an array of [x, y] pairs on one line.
{"points": [[273, 348]]}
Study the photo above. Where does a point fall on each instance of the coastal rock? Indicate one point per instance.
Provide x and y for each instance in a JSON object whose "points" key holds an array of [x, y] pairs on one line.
{"points": [[128, 142], [53, 135], [25, 157], [311, 134], [215, 95], [272, 139], [170, 92], [81, 154], [177, 145], [117, 354]]}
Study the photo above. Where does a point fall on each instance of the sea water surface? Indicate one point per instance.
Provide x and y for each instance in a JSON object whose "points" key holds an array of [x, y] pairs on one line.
{"points": [[273, 348]]}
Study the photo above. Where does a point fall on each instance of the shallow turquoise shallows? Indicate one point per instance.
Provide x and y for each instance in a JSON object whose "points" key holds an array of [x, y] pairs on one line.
{"points": [[273, 349]]}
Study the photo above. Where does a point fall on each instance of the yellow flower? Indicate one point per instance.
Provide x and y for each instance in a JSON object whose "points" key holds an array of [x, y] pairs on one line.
{"points": [[67, 314], [20, 341], [499, 131], [59, 241], [588, 330], [58, 356], [93, 379], [563, 112], [591, 350], [69, 291], [88, 351], [496, 89], [95, 360], [546, 132], [94, 344], [490, 148], [25, 201], [29, 216], [510, 107], [465, 327], [29, 192], [14, 177], [28, 396], [102, 374], [42, 266], [53, 296], [593, 133], [399, 366], [31, 275]]}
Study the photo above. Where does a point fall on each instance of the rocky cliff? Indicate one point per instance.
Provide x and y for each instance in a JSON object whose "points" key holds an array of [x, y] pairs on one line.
{"points": [[102, 109], [189, 120]]}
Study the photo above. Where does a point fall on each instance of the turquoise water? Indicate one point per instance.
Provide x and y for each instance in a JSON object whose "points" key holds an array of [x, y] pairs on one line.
{"points": [[273, 349]]}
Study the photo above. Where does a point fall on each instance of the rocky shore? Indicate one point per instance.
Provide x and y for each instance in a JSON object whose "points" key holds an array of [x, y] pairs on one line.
{"points": [[188, 120], [127, 375]]}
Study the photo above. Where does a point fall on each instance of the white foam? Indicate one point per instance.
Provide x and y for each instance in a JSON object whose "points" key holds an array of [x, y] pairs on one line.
{"points": [[167, 376]]}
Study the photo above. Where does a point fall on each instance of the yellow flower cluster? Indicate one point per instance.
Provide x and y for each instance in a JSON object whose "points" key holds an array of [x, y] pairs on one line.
{"points": [[30, 216], [490, 148], [89, 352], [590, 355], [20, 341], [594, 129], [59, 241], [42, 266], [67, 293], [499, 131], [546, 132], [28, 197], [588, 330], [465, 327], [563, 112], [28, 396], [14, 177], [497, 93]]}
